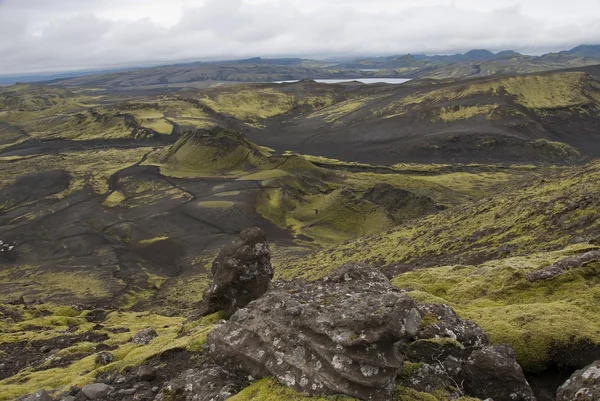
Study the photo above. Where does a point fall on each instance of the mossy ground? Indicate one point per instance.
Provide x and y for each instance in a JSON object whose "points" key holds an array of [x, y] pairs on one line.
{"points": [[535, 318], [548, 213], [45, 322], [269, 390]]}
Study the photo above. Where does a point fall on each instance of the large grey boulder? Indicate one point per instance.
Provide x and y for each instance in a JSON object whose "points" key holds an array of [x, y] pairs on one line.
{"points": [[241, 273], [351, 333], [335, 336], [584, 385]]}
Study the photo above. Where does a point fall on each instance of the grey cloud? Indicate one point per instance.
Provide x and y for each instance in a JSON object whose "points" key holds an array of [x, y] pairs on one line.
{"points": [[37, 35]]}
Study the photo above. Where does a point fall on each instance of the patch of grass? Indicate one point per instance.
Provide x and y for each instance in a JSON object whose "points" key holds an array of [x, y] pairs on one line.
{"points": [[450, 114], [153, 240], [216, 204], [160, 125], [269, 390], [126, 354], [114, 199], [251, 105], [264, 175], [341, 109], [80, 284]]}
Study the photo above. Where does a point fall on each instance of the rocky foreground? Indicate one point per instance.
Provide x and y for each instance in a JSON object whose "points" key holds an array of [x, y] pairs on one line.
{"points": [[349, 334]]}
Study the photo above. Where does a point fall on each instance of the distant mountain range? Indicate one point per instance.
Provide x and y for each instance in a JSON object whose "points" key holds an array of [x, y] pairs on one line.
{"points": [[477, 62], [477, 55]]}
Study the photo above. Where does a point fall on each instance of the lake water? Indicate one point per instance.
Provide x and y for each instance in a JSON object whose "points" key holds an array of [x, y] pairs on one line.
{"points": [[363, 80]]}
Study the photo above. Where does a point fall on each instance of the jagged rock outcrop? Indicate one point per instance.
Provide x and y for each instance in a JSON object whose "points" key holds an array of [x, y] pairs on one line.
{"points": [[241, 273], [583, 385], [351, 332], [335, 336], [563, 265]]}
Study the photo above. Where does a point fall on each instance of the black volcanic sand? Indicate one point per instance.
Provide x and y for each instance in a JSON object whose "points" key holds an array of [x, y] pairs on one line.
{"points": [[161, 227]]}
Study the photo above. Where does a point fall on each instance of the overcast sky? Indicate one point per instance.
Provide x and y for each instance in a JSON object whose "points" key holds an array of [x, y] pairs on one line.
{"points": [[59, 35]]}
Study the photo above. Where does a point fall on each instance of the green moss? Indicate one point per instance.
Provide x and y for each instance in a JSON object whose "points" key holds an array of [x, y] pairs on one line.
{"points": [[408, 394], [269, 390], [114, 199], [153, 240], [84, 370], [264, 175], [216, 204], [448, 114], [251, 105], [532, 317], [429, 319], [408, 369]]}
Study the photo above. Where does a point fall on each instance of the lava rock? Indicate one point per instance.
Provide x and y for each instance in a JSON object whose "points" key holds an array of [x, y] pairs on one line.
{"points": [[146, 373], [40, 395], [241, 273], [429, 378], [104, 358], [96, 316], [563, 265], [211, 383], [445, 323], [333, 336], [144, 336], [492, 372], [583, 385], [96, 391]]}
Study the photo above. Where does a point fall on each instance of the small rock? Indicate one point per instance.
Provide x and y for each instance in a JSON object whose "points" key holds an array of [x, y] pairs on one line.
{"points": [[96, 391], [118, 330], [40, 395], [429, 378], [144, 336], [96, 316], [104, 358], [492, 372], [584, 385], [68, 398], [146, 373], [412, 324], [128, 391], [45, 348], [155, 389]]}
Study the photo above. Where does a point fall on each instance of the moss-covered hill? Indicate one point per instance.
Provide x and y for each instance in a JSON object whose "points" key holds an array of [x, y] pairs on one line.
{"points": [[543, 117], [543, 214]]}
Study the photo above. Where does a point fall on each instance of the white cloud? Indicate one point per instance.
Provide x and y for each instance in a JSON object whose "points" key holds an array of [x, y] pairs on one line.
{"points": [[41, 35]]}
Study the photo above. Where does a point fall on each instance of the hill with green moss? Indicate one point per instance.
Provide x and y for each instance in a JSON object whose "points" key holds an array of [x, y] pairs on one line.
{"points": [[547, 117], [475, 63]]}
